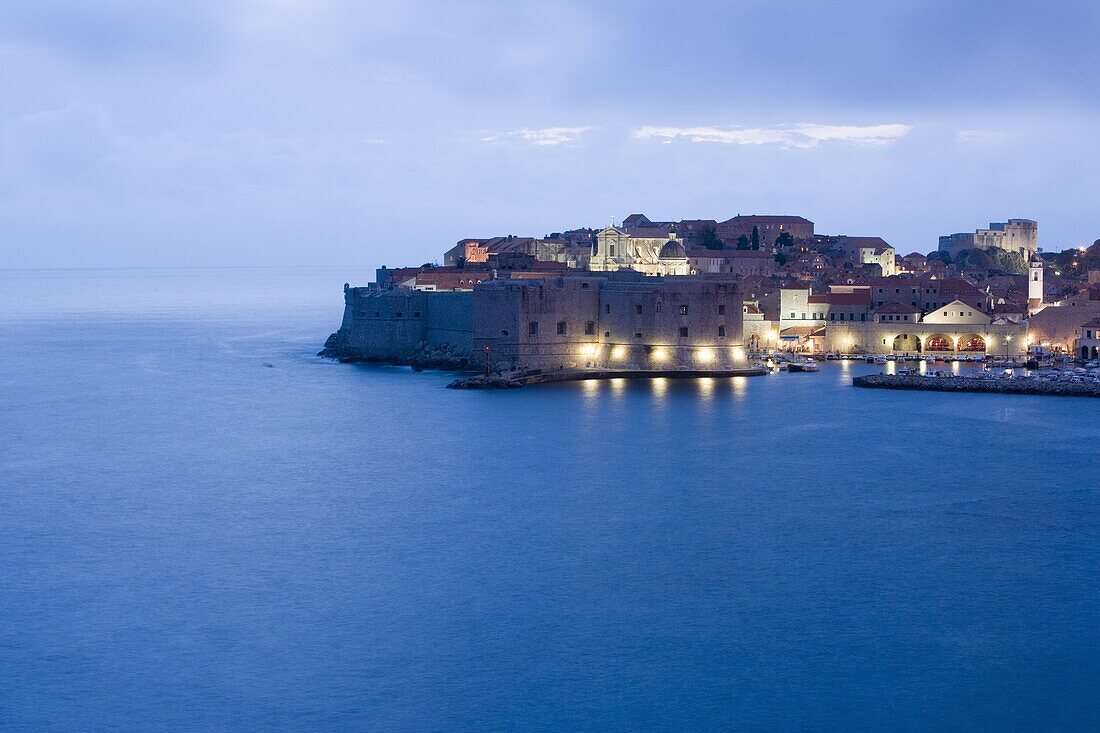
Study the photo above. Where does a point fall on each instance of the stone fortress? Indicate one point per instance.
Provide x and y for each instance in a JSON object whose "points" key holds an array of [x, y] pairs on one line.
{"points": [[628, 321]]}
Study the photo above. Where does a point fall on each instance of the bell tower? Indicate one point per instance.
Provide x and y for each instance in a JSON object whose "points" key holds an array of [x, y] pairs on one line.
{"points": [[1035, 282]]}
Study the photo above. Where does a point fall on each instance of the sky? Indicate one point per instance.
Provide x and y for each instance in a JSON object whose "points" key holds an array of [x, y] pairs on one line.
{"points": [[370, 132]]}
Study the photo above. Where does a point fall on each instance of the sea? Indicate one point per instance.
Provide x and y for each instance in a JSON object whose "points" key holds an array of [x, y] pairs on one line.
{"points": [[206, 527]]}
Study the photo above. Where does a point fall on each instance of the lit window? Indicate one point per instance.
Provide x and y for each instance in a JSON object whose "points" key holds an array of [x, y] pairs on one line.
{"points": [[683, 310]]}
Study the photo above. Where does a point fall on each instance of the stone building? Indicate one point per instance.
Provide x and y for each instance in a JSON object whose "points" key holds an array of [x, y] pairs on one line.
{"points": [[1015, 235], [869, 251], [955, 329], [730, 262], [1088, 340], [768, 228], [668, 323], [648, 250]]}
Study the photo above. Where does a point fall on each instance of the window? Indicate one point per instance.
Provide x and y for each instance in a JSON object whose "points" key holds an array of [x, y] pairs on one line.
{"points": [[533, 328], [607, 334], [792, 314], [803, 316], [584, 286], [589, 328], [416, 314], [658, 306], [721, 310], [637, 334], [611, 250], [397, 314], [638, 308], [607, 308], [378, 314], [683, 310], [683, 332], [503, 333], [863, 316], [721, 332], [561, 328]]}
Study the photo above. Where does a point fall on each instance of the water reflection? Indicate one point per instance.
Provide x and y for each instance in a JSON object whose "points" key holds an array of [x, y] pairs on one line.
{"points": [[660, 388], [740, 386], [706, 386]]}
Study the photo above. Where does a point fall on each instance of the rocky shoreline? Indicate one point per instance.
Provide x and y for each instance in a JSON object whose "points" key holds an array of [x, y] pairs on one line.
{"points": [[972, 384]]}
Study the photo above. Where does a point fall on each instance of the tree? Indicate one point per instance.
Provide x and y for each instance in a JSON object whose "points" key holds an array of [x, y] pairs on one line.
{"points": [[460, 262], [709, 239], [943, 257], [784, 240], [780, 259], [755, 237], [742, 242]]}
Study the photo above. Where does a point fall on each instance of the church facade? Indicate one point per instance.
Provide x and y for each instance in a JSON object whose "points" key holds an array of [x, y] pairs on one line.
{"points": [[651, 251]]}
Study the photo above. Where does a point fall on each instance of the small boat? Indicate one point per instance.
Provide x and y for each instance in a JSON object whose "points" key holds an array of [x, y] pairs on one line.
{"points": [[803, 366], [879, 359]]}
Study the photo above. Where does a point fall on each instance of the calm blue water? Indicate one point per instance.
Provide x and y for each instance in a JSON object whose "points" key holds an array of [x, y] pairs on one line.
{"points": [[193, 540]]}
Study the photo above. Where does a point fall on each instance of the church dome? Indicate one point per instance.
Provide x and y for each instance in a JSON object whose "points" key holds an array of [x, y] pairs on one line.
{"points": [[673, 250]]}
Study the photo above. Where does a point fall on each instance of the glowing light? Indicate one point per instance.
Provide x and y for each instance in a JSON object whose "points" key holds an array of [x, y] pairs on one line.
{"points": [[738, 353], [618, 352], [705, 355], [588, 350], [659, 354]]}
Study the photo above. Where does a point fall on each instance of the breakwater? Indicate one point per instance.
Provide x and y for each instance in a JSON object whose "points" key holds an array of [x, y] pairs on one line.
{"points": [[497, 381], [1019, 385]]}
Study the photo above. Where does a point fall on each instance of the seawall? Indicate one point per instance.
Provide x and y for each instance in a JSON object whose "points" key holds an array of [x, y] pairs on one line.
{"points": [[972, 384], [401, 326]]}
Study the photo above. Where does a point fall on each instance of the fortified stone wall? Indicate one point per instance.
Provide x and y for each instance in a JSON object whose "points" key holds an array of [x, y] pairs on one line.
{"points": [[660, 324], [401, 324]]}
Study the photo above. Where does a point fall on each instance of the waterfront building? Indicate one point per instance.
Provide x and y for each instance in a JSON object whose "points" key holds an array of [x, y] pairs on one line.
{"points": [[956, 328], [1088, 340], [1056, 328], [656, 324], [1015, 235]]}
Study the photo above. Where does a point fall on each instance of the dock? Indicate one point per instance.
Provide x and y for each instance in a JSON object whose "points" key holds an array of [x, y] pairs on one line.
{"points": [[523, 379], [1018, 385]]}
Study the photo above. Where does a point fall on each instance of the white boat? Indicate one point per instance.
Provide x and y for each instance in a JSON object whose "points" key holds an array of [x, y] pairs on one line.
{"points": [[803, 366]]}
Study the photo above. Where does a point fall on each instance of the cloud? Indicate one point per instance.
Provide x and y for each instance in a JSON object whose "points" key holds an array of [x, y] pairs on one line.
{"points": [[544, 136], [804, 135]]}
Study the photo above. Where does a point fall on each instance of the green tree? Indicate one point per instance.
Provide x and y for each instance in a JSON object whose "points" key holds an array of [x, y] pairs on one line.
{"points": [[784, 240], [755, 237], [743, 242], [709, 239]]}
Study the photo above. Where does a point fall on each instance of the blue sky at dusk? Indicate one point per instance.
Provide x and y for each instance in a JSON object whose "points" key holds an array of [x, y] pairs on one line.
{"points": [[361, 133]]}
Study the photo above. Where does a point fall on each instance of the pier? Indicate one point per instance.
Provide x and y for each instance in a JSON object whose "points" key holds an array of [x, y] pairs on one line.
{"points": [[1016, 385], [523, 379]]}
